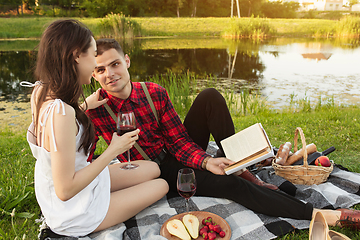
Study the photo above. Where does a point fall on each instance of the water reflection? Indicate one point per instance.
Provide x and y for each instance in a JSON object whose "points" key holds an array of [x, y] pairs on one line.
{"points": [[217, 62], [15, 67], [290, 73], [277, 67]]}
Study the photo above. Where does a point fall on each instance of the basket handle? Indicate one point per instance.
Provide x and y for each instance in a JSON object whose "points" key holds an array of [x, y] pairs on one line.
{"points": [[299, 130]]}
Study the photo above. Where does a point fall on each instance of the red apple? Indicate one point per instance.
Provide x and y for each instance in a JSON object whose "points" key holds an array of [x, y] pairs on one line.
{"points": [[323, 161]]}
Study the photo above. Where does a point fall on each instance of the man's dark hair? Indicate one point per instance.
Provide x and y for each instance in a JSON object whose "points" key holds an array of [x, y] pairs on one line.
{"points": [[105, 44]]}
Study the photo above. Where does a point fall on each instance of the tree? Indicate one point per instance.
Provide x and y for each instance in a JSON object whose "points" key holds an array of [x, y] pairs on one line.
{"points": [[180, 4], [52, 3], [194, 5], [251, 7], [213, 8], [15, 4], [352, 3], [279, 9]]}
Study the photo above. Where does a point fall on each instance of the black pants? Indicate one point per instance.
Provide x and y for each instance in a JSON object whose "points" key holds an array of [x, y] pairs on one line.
{"points": [[210, 115]]}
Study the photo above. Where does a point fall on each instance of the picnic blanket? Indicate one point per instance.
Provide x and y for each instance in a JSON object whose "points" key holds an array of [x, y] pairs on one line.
{"points": [[342, 190]]}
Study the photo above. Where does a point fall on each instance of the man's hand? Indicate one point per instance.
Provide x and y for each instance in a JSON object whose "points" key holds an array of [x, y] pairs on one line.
{"points": [[93, 101], [217, 165]]}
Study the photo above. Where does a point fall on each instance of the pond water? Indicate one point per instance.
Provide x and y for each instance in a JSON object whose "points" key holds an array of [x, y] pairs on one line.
{"points": [[277, 68]]}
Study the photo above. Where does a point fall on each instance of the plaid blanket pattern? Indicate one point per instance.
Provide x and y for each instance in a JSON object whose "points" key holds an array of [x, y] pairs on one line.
{"points": [[342, 190]]}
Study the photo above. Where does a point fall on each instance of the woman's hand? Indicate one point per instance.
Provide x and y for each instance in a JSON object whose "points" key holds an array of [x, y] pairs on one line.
{"points": [[93, 101], [217, 165], [120, 144]]}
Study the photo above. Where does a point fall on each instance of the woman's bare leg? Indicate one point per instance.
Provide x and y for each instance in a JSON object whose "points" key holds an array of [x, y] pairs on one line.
{"points": [[121, 179], [127, 202]]}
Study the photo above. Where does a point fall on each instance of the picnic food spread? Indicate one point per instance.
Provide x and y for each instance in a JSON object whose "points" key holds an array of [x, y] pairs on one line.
{"points": [[177, 228], [311, 148], [196, 225], [323, 161], [305, 174]]}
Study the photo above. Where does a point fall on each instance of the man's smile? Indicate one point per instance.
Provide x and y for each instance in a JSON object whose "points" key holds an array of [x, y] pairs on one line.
{"points": [[113, 81]]}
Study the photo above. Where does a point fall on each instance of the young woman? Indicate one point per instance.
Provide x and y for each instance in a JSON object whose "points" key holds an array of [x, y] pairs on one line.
{"points": [[76, 197]]}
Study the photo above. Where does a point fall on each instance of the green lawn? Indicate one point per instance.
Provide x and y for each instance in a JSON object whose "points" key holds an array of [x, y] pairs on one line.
{"points": [[170, 27]]}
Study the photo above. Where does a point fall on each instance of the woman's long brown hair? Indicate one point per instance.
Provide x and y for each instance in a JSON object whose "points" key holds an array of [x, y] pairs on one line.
{"points": [[57, 71]]}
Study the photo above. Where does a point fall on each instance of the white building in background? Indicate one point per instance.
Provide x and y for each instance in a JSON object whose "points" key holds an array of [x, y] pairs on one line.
{"points": [[320, 5], [328, 5], [356, 8]]}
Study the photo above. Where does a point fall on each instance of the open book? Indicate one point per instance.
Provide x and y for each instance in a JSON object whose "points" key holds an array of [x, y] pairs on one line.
{"points": [[247, 147]]}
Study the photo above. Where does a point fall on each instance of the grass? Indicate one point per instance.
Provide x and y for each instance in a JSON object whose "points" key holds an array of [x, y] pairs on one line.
{"points": [[119, 26], [33, 27], [18, 206], [249, 28], [324, 123]]}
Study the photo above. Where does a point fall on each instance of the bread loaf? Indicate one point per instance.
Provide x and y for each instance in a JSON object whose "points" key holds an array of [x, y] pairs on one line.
{"points": [[283, 153], [311, 148]]}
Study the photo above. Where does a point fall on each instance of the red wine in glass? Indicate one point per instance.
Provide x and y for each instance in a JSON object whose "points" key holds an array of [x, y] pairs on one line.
{"points": [[124, 129], [186, 184], [126, 123], [187, 190]]}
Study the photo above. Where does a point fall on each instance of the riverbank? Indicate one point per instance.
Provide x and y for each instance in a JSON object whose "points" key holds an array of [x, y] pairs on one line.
{"points": [[20, 28], [15, 116]]}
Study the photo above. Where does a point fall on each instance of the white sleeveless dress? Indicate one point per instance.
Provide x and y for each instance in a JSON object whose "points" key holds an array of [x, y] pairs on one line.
{"points": [[84, 212]]}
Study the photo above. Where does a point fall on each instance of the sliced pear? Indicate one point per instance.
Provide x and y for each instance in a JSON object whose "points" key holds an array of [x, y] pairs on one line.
{"points": [[191, 223], [176, 227]]}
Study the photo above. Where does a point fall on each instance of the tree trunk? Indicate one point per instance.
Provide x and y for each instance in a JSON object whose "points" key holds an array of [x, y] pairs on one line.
{"points": [[194, 9], [232, 8], [178, 12], [238, 8]]}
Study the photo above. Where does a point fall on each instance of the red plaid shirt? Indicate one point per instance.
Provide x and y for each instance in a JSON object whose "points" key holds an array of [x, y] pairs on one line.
{"points": [[152, 138]]}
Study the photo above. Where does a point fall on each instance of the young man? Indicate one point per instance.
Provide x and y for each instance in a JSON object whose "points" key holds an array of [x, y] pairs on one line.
{"points": [[175, 145]]}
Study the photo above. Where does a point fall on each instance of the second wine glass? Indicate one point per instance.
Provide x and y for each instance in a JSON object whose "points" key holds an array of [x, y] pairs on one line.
{"points": [[126, 123], [186, 184]]}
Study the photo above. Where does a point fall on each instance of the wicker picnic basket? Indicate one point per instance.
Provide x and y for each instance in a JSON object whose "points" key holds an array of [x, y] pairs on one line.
{"points": [[302, 174]]}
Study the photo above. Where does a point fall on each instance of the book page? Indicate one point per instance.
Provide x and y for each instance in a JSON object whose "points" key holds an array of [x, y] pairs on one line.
{"points": [[246, 143], [246, 160]]}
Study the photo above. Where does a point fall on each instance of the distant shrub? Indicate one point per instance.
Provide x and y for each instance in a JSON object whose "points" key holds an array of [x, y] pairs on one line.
{"points": [[119, 26], [348, 27], [248, 28], [324, 31], [333, 15], [279, 9], [311, 14]]}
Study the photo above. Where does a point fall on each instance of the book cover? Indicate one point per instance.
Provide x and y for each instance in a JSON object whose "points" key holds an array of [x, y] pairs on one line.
{"points": [[247, 147]]}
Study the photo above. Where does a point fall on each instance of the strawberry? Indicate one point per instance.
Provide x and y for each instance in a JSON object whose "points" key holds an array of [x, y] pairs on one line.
{"points": [[209, 219], [211, 227], [217, 228], [222, 234], [204, 229], [204, 221], [212, 235], [205, 235]]}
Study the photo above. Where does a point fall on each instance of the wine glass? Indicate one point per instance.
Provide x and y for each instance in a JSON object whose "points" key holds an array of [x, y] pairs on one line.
{"points": [[126, 123], [186, 184]]}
